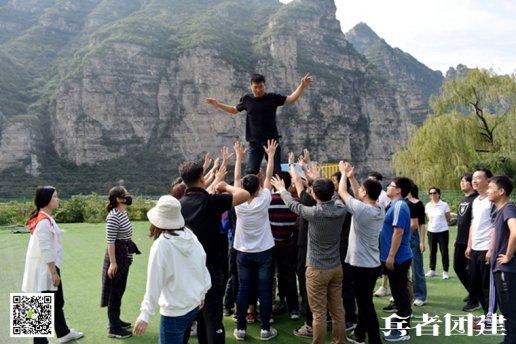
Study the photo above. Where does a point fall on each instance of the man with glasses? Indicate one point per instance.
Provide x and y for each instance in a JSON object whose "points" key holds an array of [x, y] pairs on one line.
{"points": [[396, 254]]}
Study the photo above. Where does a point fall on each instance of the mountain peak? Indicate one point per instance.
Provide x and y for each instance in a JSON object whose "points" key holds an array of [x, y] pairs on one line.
{"points": [[362, 37]]}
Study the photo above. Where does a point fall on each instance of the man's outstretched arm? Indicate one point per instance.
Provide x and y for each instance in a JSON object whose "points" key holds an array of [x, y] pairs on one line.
{"points": [[224, 107], [307, 79]]}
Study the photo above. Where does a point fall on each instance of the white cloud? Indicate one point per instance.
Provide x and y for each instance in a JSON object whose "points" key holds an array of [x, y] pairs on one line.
{"points": [[441, 33]]}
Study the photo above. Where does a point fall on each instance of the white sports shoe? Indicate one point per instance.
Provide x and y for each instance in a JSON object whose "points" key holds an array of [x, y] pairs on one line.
{"points": [[419, 303], [445, 275], [381, 292], [430, 273], [72, 335]]}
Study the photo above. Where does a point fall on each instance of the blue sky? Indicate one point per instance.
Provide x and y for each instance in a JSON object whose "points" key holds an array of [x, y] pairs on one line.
{"points": [[441, 33]]}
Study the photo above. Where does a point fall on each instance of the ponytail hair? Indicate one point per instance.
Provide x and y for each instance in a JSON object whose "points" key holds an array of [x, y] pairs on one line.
{"points": [[114, 193], [42, 198]]}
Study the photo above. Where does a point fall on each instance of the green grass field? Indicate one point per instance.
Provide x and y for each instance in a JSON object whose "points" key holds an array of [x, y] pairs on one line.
{"points": [[84, 247]]}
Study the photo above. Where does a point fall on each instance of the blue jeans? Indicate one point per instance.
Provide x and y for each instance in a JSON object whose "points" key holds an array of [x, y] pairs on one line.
{"points": [[172, 329], [418, 273], [255, 154], [254, 267]]}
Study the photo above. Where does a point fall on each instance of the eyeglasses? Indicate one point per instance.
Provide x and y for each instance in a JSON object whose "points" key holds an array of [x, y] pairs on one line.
{"points": [[432, 193]]}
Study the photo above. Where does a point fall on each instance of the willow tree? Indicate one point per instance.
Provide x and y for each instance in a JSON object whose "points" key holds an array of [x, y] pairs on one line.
{"points": [[473, 124]]}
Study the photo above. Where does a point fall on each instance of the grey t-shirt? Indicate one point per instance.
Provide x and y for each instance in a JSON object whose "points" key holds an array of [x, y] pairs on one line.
{"points": [[367, 221]]}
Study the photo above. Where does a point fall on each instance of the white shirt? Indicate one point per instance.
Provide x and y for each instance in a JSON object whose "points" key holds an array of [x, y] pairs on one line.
{"points": [[383, 200], [481, 225], [436, 214], [253, 232]]}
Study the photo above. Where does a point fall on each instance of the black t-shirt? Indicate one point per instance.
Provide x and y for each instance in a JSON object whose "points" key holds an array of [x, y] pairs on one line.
{"points": [[202, 213], [417, 210], [502, 233], [305, 199], [464, 210], [261, 116]]}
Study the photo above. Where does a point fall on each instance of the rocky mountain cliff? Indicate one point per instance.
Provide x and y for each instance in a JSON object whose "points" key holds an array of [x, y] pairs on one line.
{"points": [[413, 81], [96, 91]]}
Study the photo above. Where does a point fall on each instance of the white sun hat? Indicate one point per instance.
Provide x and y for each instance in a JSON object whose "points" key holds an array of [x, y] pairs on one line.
{"points": [[166, 214]]}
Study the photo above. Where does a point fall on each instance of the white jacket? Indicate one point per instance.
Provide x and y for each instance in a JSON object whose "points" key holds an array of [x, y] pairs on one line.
{"points": [[177, 277], [44, 247]]}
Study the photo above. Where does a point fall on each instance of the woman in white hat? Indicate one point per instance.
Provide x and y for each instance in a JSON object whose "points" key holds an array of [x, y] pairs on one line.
{"points": [[177, 277]]}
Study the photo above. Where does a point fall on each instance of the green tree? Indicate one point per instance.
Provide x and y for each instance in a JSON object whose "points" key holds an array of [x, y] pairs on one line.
{"points": [[473, 124]]}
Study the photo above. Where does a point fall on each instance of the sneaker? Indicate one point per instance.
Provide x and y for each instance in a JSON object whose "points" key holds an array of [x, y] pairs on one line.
{"points": [[250, 318], [234, 317], [239, 334], [445, 275], [123, 324], [396, 336], [268, 335], [353, 339], [119, 333], [470, 307], [381, 292], [72, 335], [350, 325], [419, 303], [304, 331], [193, 330], [226, 312], [280, 307], [390, 308], [430, 273], [294, 315]]}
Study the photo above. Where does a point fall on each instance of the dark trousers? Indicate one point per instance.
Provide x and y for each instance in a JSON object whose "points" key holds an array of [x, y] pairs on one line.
{"points": [[398, 279], [255, 154], [301, 275], [442, 240], [364, 280], [232, 284], [348, 293], [460, 266], [210, 329], [284, 259], [119, 283], [60, 325], [479, 272], [254, 267], [505, 284]]}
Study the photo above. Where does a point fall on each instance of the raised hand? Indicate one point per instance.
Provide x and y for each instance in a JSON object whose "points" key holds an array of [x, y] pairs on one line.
{"points": [[240, 150], [207, 161], [278, 183], [271, 147], [307, 79], [211, 101], [291, 158]]}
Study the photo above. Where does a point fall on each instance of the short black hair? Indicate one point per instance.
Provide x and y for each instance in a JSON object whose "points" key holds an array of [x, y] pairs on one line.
{"points": [[257, 78], [287, 179], [191, 172], [502, 182], [251, 183], [376, 175], [404, 184], [486, 171], [323, 188], [467, 176], [373, 188]]}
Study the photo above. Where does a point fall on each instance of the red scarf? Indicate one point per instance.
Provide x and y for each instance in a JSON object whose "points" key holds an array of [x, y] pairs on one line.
{"points": [[32, 223]]}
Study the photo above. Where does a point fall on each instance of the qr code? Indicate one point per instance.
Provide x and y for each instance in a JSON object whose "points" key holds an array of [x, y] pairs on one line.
{"points": [[32, 315]]}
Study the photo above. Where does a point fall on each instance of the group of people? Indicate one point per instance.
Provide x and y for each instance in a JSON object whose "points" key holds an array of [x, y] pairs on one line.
{"points": [[346, 234]]}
